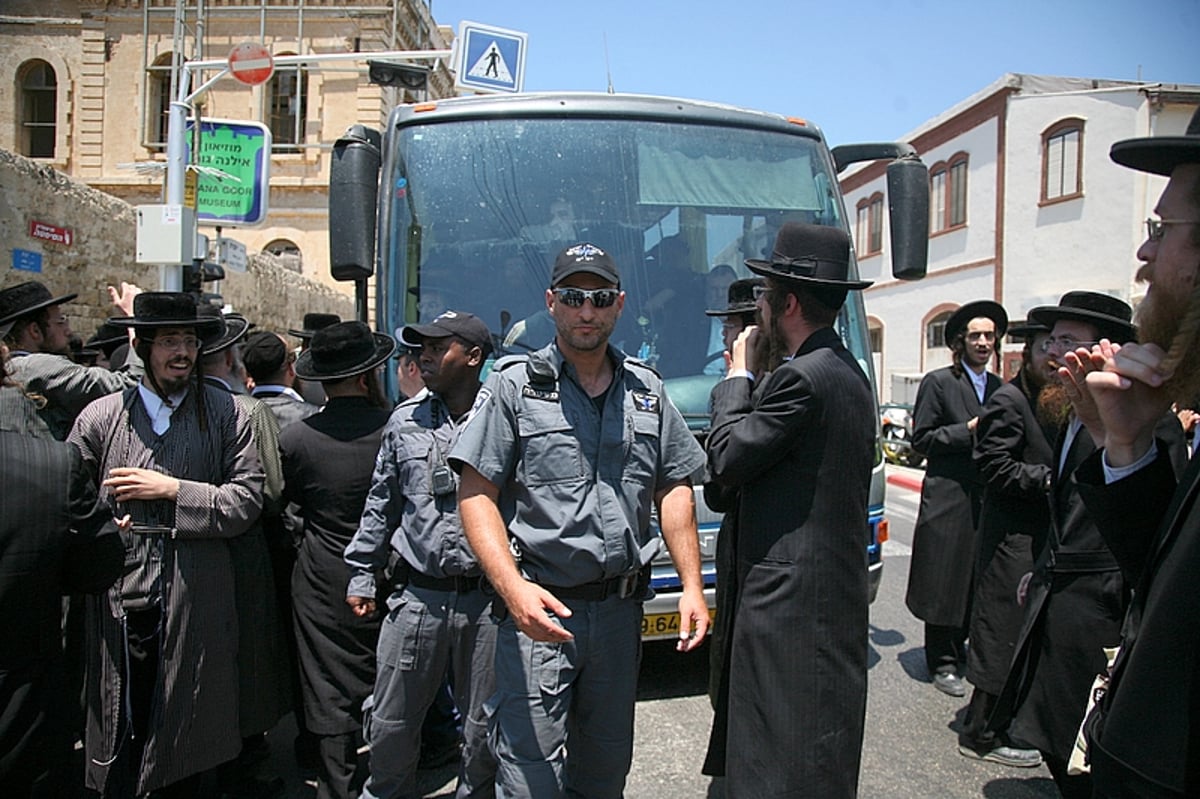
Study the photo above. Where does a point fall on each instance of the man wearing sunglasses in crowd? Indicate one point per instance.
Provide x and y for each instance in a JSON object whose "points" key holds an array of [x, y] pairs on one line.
{"points": [[564, 452]]}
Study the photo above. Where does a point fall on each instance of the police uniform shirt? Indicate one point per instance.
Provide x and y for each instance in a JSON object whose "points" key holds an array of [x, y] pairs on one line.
{"points": [[413, 502], [577, 481]]}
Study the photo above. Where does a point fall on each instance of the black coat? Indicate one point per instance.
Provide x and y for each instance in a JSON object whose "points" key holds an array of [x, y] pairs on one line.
{"points": [[1013, 456], [800, 453], [944, 539], [1149, 730]]}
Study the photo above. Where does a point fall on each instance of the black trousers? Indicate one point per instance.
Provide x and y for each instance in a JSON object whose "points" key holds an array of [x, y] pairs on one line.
{"points": [[945, 648]]}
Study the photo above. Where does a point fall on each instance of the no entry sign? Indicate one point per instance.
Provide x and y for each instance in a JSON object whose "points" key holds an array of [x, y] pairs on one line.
{"points": [[251, 63]]}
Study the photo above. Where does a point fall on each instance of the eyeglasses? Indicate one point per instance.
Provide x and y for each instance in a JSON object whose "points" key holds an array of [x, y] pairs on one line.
{"points": [[574, 298], [178, 342], [1065, 344], [760, 292], [1157, 228]]}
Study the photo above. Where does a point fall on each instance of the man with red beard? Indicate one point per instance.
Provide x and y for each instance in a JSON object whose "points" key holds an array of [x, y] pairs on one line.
{"points": [[1144, 739]]}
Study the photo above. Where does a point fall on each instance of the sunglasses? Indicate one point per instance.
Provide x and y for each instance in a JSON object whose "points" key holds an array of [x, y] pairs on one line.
{"points": [[574, 298]]}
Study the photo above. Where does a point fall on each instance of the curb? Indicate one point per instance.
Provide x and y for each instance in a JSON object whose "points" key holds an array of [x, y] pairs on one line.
{"points": [[905, 481]]}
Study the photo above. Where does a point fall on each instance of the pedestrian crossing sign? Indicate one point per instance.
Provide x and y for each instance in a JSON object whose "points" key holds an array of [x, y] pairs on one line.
{"points": [[489, 59]]}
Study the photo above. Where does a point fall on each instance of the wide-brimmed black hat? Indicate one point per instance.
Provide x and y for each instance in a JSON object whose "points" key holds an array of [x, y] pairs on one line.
{"points": [[156, 309], [1024, 330], [740, 298], [973, 310], [107, 338], [343, 350], [1111, 316], [236, 326], [1160, 154], [314, 322], [813, 254], [25, 298]]}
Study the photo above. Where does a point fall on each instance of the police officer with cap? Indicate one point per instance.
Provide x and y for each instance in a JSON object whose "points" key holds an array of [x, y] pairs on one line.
{"points": [[565, 451]]}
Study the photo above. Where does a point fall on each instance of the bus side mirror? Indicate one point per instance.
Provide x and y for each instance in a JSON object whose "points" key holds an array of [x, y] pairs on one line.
{"points": [[908, 216], [353, 191]]}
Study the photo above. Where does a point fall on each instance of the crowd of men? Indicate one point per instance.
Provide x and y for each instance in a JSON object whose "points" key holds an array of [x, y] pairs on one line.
{"points": [[244, 528]]}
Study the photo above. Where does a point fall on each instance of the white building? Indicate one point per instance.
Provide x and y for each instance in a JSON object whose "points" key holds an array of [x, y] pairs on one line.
{"points": [[1024, 206]]}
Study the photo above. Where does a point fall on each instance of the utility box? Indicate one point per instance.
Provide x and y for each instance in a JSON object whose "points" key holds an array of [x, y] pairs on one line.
{"points": [[166, 234], [904, 387]]}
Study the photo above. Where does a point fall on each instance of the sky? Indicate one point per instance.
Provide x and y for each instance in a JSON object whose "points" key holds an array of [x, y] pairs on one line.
{"points": [[862, 70]]}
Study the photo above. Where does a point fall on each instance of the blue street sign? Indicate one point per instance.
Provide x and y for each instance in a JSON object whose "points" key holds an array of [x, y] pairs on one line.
{"points": [[26, 260], [490, 59]]}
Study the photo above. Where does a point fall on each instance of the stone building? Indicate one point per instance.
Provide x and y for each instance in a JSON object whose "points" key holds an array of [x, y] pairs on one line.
{"points": [[85, 86]]}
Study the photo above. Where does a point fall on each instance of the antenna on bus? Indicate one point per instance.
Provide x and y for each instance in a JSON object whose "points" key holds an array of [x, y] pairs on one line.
{"points": [[607, 69]]}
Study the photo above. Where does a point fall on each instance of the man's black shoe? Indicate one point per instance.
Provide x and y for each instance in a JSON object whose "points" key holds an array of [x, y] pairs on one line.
{"points": [[1004, 755], [949, 683]]}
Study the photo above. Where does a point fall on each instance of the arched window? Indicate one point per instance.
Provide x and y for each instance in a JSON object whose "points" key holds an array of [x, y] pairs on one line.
{"points": [[158, 100], [38, 128], [287, 252], [935, 353], [1062, 161], [869, 228], [287, 107]]}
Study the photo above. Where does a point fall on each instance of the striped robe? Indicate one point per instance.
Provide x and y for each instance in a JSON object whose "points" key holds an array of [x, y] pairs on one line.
{"points": [[194, 722]]}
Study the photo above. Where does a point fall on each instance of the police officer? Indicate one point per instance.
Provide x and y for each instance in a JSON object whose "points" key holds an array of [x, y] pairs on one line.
{"points": [[565, 451], [437, 616]]}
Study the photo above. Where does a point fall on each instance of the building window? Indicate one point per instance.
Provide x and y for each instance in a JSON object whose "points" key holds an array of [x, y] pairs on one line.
{"points": [[158, 100], [39, 109], [1062, 160], [869, 225], [935, 331], [288, 254], [287, 108], [948, 193]]}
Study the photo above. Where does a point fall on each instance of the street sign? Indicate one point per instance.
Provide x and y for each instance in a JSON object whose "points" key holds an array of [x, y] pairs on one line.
{"points": [[231, 255], [250, 63], [241, 150], [51, 233], [489, 59], [26, 260]]}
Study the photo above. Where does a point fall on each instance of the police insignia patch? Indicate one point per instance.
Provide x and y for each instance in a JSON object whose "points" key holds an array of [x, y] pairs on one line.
{"points": [[645, 401]]}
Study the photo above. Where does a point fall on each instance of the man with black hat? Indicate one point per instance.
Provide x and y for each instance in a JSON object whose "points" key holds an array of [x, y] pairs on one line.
{"points": [[1013, 453], [949, 401], [799, 450], [176, 461], [1145, 738], [327, 466], [312, 323], [439, 618], [40, 349], [1077, 595], [564, 452]]}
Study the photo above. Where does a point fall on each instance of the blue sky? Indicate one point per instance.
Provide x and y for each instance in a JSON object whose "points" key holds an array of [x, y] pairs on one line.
{"points": [[862, 70]]}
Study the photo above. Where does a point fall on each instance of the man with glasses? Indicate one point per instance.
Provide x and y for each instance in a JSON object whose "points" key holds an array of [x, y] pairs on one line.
{"points": [[175, 459], [564, 452], [949, 403], [1077, 595]]}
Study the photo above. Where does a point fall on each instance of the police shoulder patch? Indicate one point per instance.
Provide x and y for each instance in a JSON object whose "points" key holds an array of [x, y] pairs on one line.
{"points": [[645, 401]]}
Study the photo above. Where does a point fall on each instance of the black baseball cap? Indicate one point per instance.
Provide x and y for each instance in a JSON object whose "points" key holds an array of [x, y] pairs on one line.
{"points": [[584, 257], [468, 327]]}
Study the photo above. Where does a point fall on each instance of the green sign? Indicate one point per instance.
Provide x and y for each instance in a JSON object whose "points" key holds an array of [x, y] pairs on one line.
{"points": [[233, 185]]}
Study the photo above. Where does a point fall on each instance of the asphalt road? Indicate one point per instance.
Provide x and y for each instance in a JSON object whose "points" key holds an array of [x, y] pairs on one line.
{"points": [[910, 748]]}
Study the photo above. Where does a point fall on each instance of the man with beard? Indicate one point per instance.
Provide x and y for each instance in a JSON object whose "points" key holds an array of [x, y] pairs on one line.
{"points": [[1076, 597], [438, 616], [949, 402], [799, 451], [564, 453], [176, 460], [1013, 455], [1144, 739]]}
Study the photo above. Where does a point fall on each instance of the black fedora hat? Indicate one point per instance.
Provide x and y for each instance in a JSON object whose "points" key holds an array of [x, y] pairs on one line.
{"points": [[107, 338], [25, 298], [1111, 316], [1024, 330], [740, 298], [973, 310], [236, 326], [156, 309], [343, 350], [314, 322], [1160, 154], [813, 254]]}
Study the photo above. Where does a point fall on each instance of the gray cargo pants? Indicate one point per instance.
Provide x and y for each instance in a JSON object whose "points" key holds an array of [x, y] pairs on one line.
{"points": [[425, 633], [577, 696]]}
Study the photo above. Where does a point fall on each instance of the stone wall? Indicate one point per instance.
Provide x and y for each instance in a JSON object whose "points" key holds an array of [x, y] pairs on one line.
{"points": [[102, 247]]}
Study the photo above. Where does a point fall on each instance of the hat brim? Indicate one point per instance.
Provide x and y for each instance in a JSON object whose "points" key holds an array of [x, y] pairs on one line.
{"points": [[5, 327], [1110, 327], [385, 345], [235, 328], [13, 317], [598, 271], [1025, 331], [205, 327], [1158, 155], [769, 269], [973, 310], [733, 310], [302, 334]]}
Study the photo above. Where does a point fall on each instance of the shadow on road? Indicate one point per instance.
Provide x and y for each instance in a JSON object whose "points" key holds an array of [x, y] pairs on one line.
{"points": [[1017, 788], [913, 663]]}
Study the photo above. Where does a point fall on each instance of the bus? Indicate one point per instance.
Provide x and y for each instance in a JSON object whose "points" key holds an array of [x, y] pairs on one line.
{"points": [[463, 203]]}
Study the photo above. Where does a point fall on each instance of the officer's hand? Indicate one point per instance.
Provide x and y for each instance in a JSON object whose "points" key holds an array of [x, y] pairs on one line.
{"points": [[693, 626], [361, 606], [530, 605]]}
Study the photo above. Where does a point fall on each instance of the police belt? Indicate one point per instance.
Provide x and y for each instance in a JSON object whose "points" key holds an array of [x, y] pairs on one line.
{"points": [[459, 583], [1087, 561], [623, 587]]}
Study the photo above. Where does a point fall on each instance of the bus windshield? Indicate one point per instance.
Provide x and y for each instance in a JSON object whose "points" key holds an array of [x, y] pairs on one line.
{"points": [[479, 208]]}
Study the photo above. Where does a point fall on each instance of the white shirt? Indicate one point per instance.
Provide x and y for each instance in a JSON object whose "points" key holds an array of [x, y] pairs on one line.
{"points": [[159, 410], [980, 382]]}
